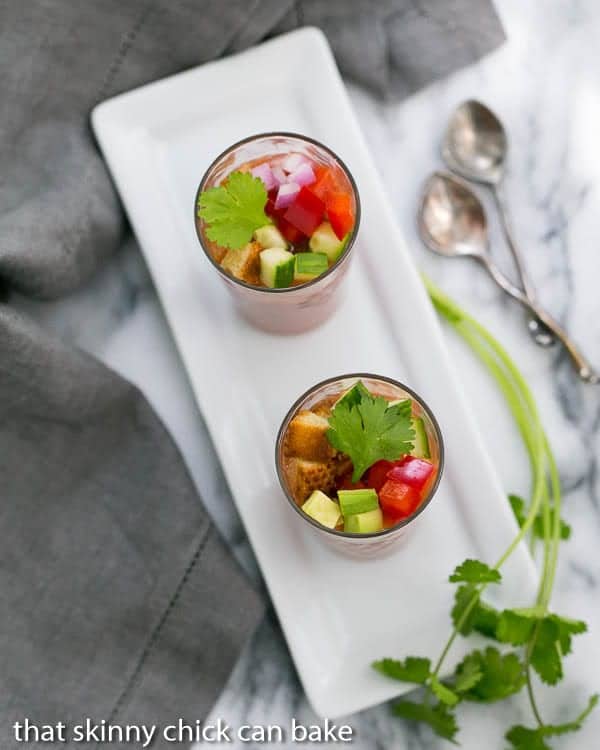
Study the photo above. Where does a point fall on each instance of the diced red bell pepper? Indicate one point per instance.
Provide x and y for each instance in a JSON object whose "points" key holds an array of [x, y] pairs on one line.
{"points": [[289, 231], [398, 500], [326, 182], [270, 209], [306, 212], [377, 475], [415, 472], [340, 214]]}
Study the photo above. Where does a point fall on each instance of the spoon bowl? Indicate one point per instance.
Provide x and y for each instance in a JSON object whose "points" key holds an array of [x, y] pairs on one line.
{"points": [[475, 144], [452, 221]]}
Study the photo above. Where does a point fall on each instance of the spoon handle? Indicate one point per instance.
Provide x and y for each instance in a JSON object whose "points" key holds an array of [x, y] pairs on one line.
{"points": [[542, 335], [581, 364], [501, 205]]}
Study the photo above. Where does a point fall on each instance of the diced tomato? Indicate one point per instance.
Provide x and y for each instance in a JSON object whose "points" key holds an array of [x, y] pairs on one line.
{"points": [[398, 500], [289, 231], [412, 471], [376, 477], [340, 214], [326, 182], [306, 212]]}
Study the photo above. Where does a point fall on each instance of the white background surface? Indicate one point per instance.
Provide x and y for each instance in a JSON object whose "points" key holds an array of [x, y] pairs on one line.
{"points": [[545, 84]]}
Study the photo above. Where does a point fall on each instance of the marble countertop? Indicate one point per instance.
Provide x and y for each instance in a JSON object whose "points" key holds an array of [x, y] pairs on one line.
{"points": [[545, 84]]}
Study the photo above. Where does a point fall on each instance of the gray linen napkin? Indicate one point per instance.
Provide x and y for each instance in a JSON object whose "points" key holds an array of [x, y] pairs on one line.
{"points": [[118, 599]]}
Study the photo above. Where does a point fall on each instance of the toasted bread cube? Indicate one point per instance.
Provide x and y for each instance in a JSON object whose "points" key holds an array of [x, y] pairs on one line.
{"points": [[307, 437], [244, 264], [306, 476]]}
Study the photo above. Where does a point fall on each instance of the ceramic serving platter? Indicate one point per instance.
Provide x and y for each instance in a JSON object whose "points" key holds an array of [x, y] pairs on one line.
{"points": [[338, 614]]}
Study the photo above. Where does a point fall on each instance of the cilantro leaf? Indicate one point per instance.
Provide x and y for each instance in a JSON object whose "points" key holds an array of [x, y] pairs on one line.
{"points": [[438, 717], [501, 675], [567, 628], [551, 638], [545, 656], [518, 506], [523, 738], [552, 642], [515, 626], [550, 635], [475, 571], [443, 693], [234, 210], [412, 669], [371, 430], [482, 617], [467, 675]]}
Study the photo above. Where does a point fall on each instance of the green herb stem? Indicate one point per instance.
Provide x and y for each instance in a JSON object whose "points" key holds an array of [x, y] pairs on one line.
{"points": [[524, 410]]}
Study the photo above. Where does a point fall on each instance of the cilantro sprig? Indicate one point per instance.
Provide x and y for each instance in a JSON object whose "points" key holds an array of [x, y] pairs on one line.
{"points": [[234, 210], [541, 639], [367, 429]]}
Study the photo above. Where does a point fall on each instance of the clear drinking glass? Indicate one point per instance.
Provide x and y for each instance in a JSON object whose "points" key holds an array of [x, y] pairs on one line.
{"points": [[379, 542], [297, 308]]}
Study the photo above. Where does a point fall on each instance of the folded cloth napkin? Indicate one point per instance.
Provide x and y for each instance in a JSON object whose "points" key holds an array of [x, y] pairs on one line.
{"points": [[118, 599]]}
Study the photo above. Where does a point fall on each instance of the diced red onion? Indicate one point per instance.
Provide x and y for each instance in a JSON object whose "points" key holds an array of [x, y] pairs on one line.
{"points": [[264, 172], [279, 175], [293, 161], [304, 175], [286, 194]]}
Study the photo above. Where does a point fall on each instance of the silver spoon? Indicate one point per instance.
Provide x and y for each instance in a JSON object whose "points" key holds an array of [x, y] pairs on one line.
{"points": [[475, 146], [452, 222]]}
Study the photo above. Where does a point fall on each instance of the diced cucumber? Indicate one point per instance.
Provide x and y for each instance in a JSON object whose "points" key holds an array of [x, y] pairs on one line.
{"points": [[324, 240], [322, 509], [421, 442], [421, 449], [357, 501], [309, 266], [276, 267], [354, 395], [364, 523], [270, 236]]}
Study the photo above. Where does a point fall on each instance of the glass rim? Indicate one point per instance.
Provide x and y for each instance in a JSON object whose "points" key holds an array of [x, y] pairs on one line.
{"points": [[351, 534], [297, 136]]}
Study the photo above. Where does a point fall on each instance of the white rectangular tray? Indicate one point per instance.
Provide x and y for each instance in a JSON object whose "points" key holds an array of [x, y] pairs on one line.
{"points": [[337, 614]]}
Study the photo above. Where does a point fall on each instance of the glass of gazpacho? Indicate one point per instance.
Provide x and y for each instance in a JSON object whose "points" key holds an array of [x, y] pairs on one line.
{"points": [[359, 457], [277, 215]]}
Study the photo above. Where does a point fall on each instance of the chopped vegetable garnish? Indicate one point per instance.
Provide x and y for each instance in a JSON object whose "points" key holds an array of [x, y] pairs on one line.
{"points": [[309, 266], [282, 201], [357, 501], [339, 211], [276, 267], [323, 509], [415, 472], [364, 523], [306, 212], [235, 210], [398, 500], [371, 430], [325, 240]]}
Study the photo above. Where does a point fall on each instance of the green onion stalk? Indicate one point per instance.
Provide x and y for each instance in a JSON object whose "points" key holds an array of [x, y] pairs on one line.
{"points": [[545, 491]]}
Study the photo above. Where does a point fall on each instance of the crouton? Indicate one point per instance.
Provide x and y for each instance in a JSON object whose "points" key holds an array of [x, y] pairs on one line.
{"points": [[306, 437], [303, 477], [244, 263], [306, 476]]}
